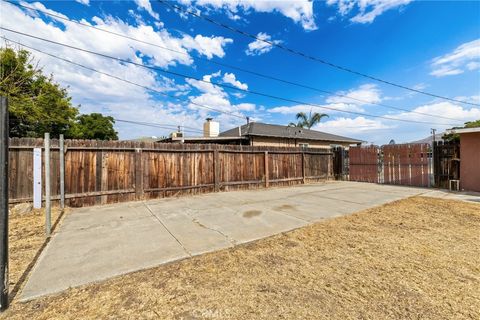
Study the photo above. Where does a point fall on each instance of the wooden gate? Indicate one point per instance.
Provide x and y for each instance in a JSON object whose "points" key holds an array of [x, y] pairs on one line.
{"points": [[406, 164], [446, 161], [364, 163], [340, 163]]}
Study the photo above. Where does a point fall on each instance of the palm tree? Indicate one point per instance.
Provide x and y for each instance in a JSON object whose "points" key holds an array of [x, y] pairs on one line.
{"points": [[309, 121]]}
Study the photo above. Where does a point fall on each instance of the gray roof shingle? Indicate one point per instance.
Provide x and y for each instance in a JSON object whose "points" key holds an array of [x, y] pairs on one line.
{"points": [[274, 130]]}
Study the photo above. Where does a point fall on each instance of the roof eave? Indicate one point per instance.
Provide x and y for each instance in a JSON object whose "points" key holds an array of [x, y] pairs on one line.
{"points": [[304, 138], [464, 130]]}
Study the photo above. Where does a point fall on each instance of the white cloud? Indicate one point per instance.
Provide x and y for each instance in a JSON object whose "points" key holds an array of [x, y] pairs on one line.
{"points": [[473, 65], [464, 57], [445, 109], [380, 131], [332, 108], [231, 79], [147, 6], [40, 6], [357, 98], [472, 99], [367, 10], [85, 2], [259, 47], [407, 132], [300, 11], [364, 95], [207, 46], [100, 93], [246, 106], [351, 125], [215, 97]]}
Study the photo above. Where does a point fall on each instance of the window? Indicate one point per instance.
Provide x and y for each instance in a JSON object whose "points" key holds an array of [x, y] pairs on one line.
{"points": [[303, 145]]}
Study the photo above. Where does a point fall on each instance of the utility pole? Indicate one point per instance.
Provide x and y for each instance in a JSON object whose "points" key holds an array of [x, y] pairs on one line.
{"points": [[3, 203]]}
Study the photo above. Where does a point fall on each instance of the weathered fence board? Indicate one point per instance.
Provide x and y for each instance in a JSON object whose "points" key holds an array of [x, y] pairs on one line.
{"points": [[101, 172], [406, 164], [364, 164]]}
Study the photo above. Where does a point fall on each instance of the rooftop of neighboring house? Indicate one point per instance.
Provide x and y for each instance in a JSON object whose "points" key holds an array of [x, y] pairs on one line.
{"points": [[147, 139], [282, 131], [429, 139], [464, 130]]}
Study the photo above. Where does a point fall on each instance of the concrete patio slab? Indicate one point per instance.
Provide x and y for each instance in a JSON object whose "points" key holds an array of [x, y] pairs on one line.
{"points": [[96, 243]]}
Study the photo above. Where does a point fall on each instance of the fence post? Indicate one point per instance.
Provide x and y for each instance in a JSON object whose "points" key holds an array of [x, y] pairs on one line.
{"points": [[62, 172], [216, 170], [267, 182], [138, 174], [48, 205], [303, 168], [4, 204]]}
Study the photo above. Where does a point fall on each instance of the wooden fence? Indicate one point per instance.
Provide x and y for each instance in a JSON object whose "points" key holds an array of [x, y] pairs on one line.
{"points": [[101, 172], [403, 164], [406, 164], [364, 163]]}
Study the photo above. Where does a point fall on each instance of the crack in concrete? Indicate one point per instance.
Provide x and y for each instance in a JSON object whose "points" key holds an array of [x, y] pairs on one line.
{"points": [[161, 222], [197, 222]]}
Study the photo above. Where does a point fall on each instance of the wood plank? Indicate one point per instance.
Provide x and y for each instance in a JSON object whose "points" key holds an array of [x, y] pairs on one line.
{"points": [[138, 175], [216, 170], [267, 172]]}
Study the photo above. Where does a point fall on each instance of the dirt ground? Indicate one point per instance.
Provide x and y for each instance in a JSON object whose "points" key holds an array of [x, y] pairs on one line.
{"points": [[26, 238], [416, 258]]}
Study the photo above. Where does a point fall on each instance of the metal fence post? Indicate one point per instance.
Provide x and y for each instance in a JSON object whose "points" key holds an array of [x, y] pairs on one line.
{"points": [[62, 172], [48, 205], [3, 204]]}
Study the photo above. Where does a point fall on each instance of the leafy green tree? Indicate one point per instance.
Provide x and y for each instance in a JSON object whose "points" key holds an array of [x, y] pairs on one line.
{"points": [[37, 104], [93, 126], [456, 136], [308, 121]]}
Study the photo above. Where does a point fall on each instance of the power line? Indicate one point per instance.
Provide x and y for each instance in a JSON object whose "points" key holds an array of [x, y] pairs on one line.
{"points": [[121, 79], [218, 84], [148, 124], [231, 66], [163, 124], [307, 56], [159, 125]]}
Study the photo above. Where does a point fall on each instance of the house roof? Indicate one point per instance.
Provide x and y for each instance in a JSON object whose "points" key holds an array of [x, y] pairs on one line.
{"points": [[279, 131], [464, 130], [201, 139], [429, 139]]}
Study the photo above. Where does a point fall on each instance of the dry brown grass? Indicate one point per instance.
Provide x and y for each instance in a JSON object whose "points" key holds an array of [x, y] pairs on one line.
{"points": [[26, 238], [412, 259]]}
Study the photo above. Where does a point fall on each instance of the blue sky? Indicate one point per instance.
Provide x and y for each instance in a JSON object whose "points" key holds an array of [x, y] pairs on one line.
{"points": [[427, 45]]}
